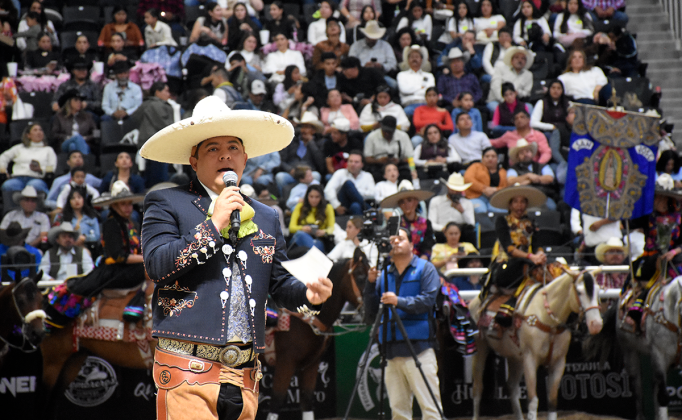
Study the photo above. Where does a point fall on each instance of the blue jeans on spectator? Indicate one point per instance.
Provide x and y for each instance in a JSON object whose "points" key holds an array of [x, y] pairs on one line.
{"points": [[391, 82], [482, 205], [283, 179], [619, 18], [18, 183], [306, 240], [417, 140], [265, 179], [409, 109], [76, 142], [154, 173], [350, 198], [486, 78], [551, 204], [499, 130]]}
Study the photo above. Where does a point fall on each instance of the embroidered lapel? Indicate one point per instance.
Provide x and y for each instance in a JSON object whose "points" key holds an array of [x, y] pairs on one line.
{"points": [[202, 202]]}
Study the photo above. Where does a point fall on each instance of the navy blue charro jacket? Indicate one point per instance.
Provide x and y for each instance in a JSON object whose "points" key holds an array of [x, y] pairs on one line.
{"points": [[184, 254]]}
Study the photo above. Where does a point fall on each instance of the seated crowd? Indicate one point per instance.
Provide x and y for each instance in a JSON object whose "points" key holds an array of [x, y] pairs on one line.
{"points": [[388, 110]]}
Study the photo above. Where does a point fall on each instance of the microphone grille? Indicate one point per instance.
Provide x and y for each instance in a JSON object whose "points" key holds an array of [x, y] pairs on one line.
{"points": [[230, 177]]}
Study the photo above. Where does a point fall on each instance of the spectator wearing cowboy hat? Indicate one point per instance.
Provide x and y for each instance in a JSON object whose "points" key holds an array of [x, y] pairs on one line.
{"points": [[349, 187], [420, 229], [413, 82], [14, 236], [453, 206], [37, 223], [517, 62], [121, 98], [80, 80], [303, 150], [212, 280], [525, 171], [65, 259], [592, 231], [458, 81], [73, 129], [611, 252], [374, 52], [337, 148], [524, 131]]}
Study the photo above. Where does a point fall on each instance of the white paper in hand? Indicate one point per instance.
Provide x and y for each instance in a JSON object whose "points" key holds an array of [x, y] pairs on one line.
{"points": [[313, 265]]}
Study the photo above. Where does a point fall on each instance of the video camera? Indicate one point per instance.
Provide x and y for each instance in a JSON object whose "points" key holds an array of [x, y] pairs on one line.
{"points": [[372, 229]]}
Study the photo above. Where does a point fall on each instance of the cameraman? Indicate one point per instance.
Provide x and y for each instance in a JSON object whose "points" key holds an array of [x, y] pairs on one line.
{"points": [[412, 285]]}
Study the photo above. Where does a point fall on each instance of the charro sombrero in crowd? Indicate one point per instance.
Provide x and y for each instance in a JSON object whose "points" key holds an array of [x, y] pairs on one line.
{"points": [[14, 234], [405, 190], [512, 51], [665, 185], [372, 30], [611, 244], [119, 192], [522, 144], [65, 227], [501, 199], [308, 118], [261, 132], [456, 182]]}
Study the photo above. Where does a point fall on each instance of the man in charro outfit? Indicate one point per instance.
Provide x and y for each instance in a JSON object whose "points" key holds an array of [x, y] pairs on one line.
{"points": [[212, 283]]}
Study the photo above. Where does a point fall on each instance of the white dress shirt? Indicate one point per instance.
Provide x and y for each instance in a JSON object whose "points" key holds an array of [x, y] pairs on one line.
{"points": [[413, 85], [66, 267], [441, 212], [278, 61], [364, 183]]}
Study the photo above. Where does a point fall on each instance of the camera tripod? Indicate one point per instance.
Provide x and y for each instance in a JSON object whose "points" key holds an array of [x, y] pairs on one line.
{"points": [[383, 314]]}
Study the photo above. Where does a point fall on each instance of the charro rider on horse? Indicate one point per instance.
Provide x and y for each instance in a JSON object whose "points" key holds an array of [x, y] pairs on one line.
{"points": [[211, 290]]}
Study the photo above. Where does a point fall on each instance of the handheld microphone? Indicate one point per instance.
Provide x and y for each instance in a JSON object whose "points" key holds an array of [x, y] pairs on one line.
{"points": [[230, 179]]}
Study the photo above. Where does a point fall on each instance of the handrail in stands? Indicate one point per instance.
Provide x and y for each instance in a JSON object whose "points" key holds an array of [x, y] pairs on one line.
{"points": [[674, 10]]}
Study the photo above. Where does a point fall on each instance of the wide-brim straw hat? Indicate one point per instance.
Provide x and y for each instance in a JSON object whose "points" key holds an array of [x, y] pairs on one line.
{"points": [[65, 227], [501, 199], [14, 234], [426, 64], [310, 119], [456, 182], [372, 30], [455, 53], [261, 132], [512, 51], [119, 192], [405, 190], [665, 186], [612, 243], [522, 144]]}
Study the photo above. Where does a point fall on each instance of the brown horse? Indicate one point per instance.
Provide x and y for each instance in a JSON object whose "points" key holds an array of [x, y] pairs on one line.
{"points": [[22, 316], [62, 357], [301, 348]]}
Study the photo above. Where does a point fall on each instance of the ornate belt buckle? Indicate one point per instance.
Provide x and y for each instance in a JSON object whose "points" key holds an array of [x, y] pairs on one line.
{"points": [[229, 356]]}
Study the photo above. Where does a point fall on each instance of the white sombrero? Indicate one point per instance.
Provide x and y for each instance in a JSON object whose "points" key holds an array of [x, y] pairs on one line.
{"points": [[456, 182], [372, 30], [501, 199], [426, 64], [612, 243], [119, 192], [522, 144], [405, 189], [261, 132], [310, 119], [512, 51]]}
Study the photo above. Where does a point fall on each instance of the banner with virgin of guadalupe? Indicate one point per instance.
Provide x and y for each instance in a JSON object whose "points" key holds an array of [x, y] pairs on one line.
{"points": [[612, 162]]}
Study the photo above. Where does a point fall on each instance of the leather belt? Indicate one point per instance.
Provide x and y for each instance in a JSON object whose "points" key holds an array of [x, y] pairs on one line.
{"points": [[230, 355]]}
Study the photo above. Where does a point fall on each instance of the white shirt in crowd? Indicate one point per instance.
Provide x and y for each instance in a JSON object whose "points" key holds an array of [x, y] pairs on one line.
{"points": [[482, 23], [66, 267], [422, 25], [38, 222], [592, 239], [488, 55], [364, 183], [581, 85], [368, 119], [542, 22], [346, 248], [317, 32], [441, 212], [413, 85], [278, 61], [64, 194]]}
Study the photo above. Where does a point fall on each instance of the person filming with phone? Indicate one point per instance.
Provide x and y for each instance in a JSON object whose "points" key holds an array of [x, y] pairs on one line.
{"points": [[410, 284]]}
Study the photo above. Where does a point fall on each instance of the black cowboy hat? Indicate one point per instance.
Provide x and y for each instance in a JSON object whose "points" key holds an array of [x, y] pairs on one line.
{"points": [[645, 267], [79, 63], [68, 95], [13, 235], [512, 271], [121, 67]]}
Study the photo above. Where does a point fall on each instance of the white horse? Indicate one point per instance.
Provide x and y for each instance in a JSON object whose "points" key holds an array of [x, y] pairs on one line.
{"points": [[541, 338]]}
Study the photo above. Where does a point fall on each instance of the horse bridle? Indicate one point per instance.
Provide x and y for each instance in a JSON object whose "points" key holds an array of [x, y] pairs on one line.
{"points": [[583, 311], [25, 321]]}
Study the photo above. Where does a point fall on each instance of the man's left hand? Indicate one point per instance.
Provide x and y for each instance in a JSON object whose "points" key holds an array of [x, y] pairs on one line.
{"points": [[318, 292], [389, 298]]}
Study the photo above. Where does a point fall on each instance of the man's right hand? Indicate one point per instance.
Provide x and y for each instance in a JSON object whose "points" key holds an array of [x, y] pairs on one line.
{"points": [[228, 201], [341, 210]]}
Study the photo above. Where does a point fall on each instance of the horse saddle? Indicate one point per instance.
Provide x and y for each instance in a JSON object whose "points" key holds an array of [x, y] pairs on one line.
{"points": [[106, 319], [493, 304], [627, 301]]}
